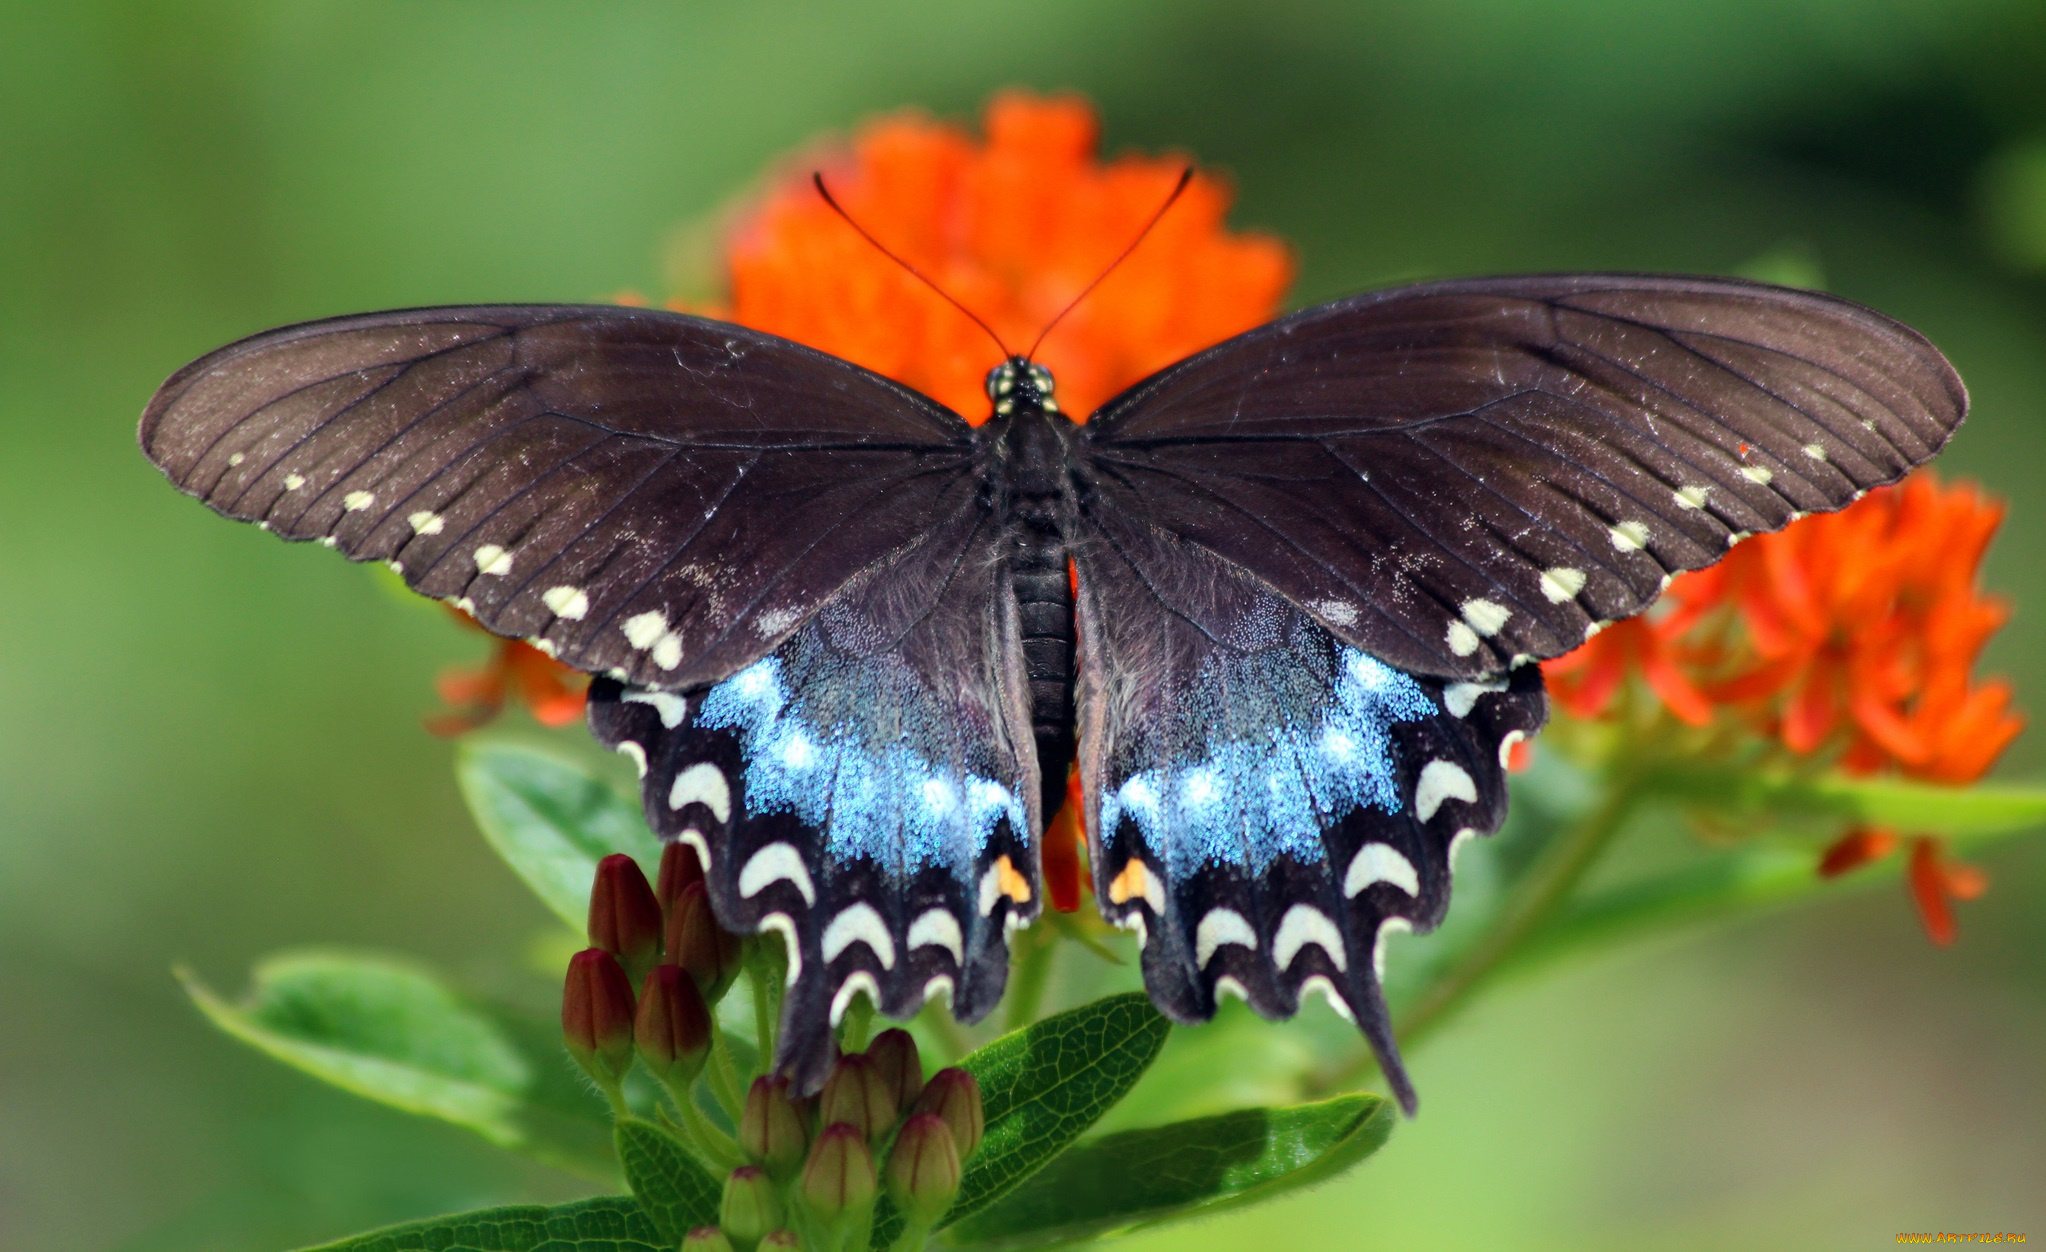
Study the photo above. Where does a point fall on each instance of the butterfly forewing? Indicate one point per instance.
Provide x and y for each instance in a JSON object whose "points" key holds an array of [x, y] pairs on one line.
{"points": [[1457, 476], [646, 494]]}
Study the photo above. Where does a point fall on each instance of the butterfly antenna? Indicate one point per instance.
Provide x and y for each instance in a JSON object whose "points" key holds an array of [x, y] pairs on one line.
{"points": [[1185, 177], [817, 177]]}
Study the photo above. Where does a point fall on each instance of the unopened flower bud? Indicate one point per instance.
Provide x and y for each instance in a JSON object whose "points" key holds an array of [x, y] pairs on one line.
{"points": [[679, 869], [783, 1240], [625, 919], [954, 1095], [698, 944], [750, 1208], [923, 1169], [838, 1179], [672, 1027], [706, 1239], [771, 1129], [895, 1059], [856, 1095], [596, 1017]]}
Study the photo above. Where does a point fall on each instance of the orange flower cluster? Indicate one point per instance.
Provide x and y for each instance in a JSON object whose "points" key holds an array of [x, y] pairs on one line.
{"points": [[1014, 227], [1853, 634], [554, 692]]}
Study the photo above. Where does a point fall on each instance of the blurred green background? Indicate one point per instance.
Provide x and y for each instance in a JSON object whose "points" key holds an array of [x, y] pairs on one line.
{"points": [[210, 742]]}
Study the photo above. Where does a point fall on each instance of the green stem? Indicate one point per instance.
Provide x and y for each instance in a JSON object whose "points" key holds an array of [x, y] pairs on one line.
{"points": [[766, 970], [723, 1072], [713, 1146], [912, 1238], [857, 1025], [1028, 976], [1546, 888]]}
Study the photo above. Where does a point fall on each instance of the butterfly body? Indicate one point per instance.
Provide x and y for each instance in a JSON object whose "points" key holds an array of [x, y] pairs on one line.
{"points": [[1282, 603]]}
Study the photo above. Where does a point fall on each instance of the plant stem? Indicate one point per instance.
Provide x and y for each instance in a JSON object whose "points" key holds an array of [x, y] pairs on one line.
{"points": [[713, 1146], [1028, 976], [857, 1024], [724, 1075], [1545, 889]]}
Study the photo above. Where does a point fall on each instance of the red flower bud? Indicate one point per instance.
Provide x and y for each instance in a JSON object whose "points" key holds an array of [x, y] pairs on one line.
{"points": [[625, 919], [923, 1169], [771, 1129], [783, 1240], [679, 868], [894, 1055], [838, 1179], [596, 1016], [706, 1239], [698, 944], [858, 1096], [672, 1028], [751, 1207], [954, 1095]]}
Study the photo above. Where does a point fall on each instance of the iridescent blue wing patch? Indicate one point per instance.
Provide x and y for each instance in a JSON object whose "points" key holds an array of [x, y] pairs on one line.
{"points": [[1265, 800], [868, 789]]}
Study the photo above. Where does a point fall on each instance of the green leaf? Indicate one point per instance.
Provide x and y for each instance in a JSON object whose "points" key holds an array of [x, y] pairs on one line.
{"points": [[1911, 807], [551, 820], [389, 1031], [1189, 1169], [673, 1189], [1041, 1088], [608, 1224]]}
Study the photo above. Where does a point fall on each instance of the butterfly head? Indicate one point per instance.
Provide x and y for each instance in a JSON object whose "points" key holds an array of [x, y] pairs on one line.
{"points": [[1020, 383]]}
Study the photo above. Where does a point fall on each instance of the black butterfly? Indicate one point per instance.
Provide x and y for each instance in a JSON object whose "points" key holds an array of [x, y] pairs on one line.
{"points": [[832, 622]]}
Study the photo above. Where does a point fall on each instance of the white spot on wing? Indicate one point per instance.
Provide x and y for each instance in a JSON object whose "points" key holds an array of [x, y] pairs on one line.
{"points": [[1220, 926], [857, 981], [1506, 747], [1630, 536], [491, 559], [1562, 583], [643, 629], [671, 707], [1442, 781], [702, 783], [1691, 497], [771, 623], [426, 522], [1462, 640], [1379, 862], [668, 650], [292, 482], [1390, 926], [1485, 616], [568, 602], [777, 862], [1816, 451], [634, 753], [785, 926], [1316, 982], [1461, 698], [236, 458], [859, 923], [1759, 474], [357, 501], [938, 928], [1303, 925]]}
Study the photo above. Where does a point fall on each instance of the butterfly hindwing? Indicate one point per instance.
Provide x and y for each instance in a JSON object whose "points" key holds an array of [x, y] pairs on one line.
{"points": [[1461, 475], [867, 789], [641, 493], [1265, 798]]}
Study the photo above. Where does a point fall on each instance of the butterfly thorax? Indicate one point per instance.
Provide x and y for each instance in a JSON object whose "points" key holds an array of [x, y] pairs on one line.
{"points": [[1029, 439]]}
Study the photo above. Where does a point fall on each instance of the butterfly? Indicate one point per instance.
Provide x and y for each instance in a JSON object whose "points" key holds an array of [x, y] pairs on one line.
{"points": [[1282, 603]]}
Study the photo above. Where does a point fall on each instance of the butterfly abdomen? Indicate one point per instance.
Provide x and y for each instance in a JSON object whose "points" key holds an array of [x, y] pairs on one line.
{"points": [[1034, 481]]}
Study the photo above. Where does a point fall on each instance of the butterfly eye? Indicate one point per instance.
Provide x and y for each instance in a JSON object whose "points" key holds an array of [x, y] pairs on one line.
{"points": [[1040, 377], [1001, 380]]}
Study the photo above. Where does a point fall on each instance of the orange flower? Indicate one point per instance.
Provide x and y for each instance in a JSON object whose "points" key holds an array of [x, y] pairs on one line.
{"points": [[1852, 634], [554, 692], [1014, 227]]}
